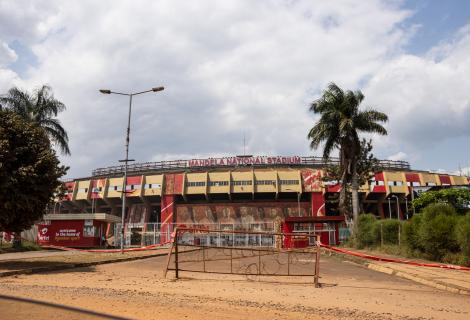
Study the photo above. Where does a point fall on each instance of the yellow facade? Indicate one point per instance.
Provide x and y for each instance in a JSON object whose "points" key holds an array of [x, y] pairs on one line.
{"points": [[114, 187], [429, 179], [395, 182], [458, 180], [219, 182], [242, 181], [153, 185], [83, 190], [265, 181], [195, 183], [289, 181]]}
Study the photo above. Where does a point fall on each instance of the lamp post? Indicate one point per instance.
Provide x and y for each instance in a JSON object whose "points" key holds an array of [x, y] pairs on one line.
{"points": [[389, 209], [127, 160]]}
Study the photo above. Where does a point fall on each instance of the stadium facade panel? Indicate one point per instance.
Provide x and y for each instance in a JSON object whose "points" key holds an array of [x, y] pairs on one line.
{"points": [[242, 190]]}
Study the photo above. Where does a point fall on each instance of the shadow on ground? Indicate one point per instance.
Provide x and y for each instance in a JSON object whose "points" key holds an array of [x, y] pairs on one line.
{"points": [[23, 308]]}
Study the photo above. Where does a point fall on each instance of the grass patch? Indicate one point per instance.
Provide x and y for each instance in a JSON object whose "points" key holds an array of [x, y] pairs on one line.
{"points": [[25, 246]]}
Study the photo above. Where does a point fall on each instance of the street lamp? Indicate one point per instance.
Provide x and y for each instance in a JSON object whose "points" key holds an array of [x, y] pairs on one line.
{"points": [[127, 160]]}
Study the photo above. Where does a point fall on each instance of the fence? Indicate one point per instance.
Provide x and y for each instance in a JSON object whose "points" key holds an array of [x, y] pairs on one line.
{"points": [[184, 164], [194, 251], [145, 234]]}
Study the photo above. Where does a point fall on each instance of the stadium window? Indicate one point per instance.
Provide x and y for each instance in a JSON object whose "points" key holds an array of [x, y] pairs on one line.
{"points": [[380, 183], [196, 183], [242, 183], [265, 182], [416, 184], [288, 182], [218, 183], [391, 183]]}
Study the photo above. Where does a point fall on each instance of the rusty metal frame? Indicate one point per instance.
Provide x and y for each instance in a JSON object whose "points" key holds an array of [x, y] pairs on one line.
{"points": [[175, 250]]}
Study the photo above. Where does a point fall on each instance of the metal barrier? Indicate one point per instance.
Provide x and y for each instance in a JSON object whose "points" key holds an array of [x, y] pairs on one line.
{"points": [[193, 251]]}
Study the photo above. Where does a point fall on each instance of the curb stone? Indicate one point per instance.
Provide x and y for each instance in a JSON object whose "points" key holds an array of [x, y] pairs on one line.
{"points": [[431, 283], [379, 268]]}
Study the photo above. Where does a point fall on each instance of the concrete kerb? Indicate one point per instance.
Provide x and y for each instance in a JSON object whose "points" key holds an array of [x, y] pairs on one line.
{"points": [[76, 265], [384, 269]]}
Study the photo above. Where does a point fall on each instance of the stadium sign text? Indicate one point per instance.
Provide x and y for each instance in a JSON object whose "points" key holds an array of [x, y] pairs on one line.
{"points": [[234, 161]]}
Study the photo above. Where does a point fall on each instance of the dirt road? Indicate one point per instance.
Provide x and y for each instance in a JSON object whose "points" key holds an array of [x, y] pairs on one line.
{"points": [[137, 290]]}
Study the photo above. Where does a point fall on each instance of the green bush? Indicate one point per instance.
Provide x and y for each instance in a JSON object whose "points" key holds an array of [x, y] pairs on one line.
{"points": [[436, 232], [389, 230], [411, 233], [462, 234], [366, 233]]}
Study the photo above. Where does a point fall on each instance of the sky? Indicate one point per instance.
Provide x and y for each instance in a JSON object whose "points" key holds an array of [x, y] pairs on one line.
{"points": [[242, 68]]}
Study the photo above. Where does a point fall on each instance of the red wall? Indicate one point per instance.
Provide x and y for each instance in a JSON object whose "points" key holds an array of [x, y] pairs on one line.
{"points": [[68, 233], [444, 179], [69, 186], [173, 183], [96, 184], [318, 204]]}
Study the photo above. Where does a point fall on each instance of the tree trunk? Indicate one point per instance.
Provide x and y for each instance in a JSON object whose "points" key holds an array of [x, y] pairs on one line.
{"points": [[355, 195], [344, 178]]}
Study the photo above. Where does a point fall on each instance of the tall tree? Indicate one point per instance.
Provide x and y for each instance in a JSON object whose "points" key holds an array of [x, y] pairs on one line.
{"points": [[367, 165], [339, 126], [40, 108], [29, 172]]}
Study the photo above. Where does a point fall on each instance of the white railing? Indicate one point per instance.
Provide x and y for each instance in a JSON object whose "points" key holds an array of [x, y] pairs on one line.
{"points": [[145, 234]]}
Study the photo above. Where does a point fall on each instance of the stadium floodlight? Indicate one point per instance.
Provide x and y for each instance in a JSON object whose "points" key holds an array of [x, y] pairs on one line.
{"points": [[127, 160]]}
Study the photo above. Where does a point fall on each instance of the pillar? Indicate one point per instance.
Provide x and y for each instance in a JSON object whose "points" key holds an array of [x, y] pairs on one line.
{"points": [[168, 217], [318, 204]]}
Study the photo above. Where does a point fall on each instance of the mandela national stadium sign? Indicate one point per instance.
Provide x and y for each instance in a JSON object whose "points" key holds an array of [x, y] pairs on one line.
{"points": [[243, 160]]}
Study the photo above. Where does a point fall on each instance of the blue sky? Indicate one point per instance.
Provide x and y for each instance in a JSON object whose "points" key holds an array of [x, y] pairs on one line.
{"points": [[438, 21], [234, 67]]}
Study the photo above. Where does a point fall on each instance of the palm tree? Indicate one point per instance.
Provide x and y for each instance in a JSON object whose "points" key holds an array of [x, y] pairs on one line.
{"points": [[41, 108], [338, 128]]}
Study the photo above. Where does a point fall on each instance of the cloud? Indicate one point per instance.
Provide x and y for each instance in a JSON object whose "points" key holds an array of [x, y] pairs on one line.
{"points": [[230, 69], [398, 156], [426, 97]]}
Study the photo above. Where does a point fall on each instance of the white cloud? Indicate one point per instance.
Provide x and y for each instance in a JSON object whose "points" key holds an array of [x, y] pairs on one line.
{"points": [[229, 68], [398, 156], [426, 97]]}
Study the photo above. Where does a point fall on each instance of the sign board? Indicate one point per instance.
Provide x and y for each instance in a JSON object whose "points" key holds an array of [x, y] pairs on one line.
{"points": [[249, 160]]}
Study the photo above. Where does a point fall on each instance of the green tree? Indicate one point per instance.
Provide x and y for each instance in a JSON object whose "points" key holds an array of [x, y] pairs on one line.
{"points": [[29, 172], [456, 197], [339, 126], [367, 164], [40, 108]]}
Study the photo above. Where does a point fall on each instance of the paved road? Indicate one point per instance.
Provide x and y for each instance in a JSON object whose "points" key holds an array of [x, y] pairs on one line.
{"points": [[137, 290]]}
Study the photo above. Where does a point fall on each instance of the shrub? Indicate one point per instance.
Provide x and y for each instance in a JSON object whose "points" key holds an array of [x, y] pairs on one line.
{"points": [[436, 231], [389, 231], [366, 233], [410, 233], [462, 234]]}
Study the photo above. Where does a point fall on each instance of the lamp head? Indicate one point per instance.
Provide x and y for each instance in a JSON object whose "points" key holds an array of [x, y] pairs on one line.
{"points": [[156, 89], [105, 91]]}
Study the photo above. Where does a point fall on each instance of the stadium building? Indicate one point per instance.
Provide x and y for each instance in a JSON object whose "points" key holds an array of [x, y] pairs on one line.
{"points": [[248, 191]]}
